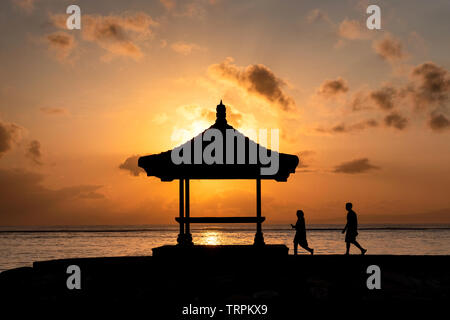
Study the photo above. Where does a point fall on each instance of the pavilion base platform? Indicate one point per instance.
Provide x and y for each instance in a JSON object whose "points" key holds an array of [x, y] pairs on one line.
{"points": [[267, 251]]}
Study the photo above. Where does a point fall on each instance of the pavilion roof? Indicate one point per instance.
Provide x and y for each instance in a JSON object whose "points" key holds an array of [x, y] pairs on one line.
{"points": [[161, 165]]}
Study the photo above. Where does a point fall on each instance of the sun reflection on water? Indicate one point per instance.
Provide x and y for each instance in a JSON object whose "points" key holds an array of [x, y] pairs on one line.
{"points": [[211, 238]]}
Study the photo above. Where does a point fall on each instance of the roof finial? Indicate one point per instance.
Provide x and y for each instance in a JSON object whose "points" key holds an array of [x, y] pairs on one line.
{"points": [[221, 113]]}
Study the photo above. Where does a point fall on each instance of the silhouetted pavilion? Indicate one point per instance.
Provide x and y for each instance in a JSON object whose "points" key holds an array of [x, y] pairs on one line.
{"points": [[161, 166]]}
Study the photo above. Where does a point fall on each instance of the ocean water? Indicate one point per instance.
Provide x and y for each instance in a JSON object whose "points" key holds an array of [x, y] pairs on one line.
{"points": [[22, 246]]}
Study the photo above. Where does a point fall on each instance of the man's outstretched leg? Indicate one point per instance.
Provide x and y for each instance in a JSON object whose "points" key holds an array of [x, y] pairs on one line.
{"points": [[308, 249], [295, 248], [363, 251], [347, 252]]}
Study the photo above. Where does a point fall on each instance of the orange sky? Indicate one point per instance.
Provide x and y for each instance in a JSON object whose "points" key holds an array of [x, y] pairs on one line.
{"points": [[367, 111]]}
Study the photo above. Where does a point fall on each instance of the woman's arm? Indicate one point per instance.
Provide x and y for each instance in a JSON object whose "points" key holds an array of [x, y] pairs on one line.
{"points": [[345, 228]]}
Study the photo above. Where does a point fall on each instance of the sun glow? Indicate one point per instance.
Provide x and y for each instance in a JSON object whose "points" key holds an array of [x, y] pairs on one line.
{"points": [[211, 238], [181, 135]]}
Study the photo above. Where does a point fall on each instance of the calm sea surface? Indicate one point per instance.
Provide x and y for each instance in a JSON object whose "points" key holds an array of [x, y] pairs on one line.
{"points": [[22, 246]]}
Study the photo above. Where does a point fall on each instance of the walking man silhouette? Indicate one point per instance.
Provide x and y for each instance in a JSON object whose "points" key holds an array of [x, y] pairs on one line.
{"points": [[352, 229], [300, 234]]}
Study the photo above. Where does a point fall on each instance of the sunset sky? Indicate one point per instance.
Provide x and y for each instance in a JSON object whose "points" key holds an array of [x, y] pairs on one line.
{"points": [[367, 111]]}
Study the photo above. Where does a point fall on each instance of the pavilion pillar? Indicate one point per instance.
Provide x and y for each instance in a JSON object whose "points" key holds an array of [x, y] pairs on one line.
{"points": [[259, 238], [181, 237], [188, 236]]}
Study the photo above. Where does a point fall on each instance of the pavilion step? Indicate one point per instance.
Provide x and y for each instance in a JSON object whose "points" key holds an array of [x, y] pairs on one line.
{"points": [[220, 219]]}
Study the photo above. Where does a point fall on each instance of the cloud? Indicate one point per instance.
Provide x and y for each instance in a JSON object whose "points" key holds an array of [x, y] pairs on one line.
{"points": [[389, 48], [396, 120], [9, 134], [24, 200], [53, 110], [317, 15], [346, 128], [360, 101], [184, 48], [430, 85], [371, 123], [439, 122], [355, 166], [255, 79], [25, 5], [61, 43], [187, 8], [305, 157], [352, 30], [384, 97], [331, 88], [428, 88], [168, 4], [33, 152], [117, 34], [131, 165]]}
